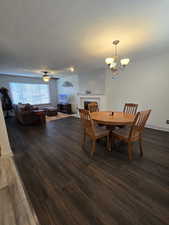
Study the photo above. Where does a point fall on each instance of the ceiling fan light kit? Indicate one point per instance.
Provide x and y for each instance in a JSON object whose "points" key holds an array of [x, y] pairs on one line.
{"points": [[45, 77]]}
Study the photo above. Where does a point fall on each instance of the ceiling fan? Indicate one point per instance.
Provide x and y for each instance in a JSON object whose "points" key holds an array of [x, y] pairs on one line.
{"points": [[46, 77]]}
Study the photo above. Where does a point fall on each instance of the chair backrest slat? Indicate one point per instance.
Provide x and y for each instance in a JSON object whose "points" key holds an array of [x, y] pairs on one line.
{"points": [[139, 123], [93, 107], [130, 108], [86, 120]]}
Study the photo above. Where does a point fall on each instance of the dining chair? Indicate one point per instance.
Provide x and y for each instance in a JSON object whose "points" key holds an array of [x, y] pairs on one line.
{"points": [[93, 107], [130, 108], [92, 131], [130, 134]]}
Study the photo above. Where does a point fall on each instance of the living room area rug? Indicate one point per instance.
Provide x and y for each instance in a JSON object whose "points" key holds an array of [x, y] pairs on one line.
{"points": [[58, 117]]}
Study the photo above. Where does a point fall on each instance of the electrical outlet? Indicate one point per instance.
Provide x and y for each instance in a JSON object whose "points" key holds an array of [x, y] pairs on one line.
{"points": [[167, 121]]}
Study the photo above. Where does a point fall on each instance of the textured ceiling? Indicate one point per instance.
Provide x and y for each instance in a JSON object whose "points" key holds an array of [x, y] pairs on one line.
{"points": [[59, 34]]}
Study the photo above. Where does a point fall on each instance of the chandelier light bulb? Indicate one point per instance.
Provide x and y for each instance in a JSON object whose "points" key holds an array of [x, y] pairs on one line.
{"points": [[125, 62], [71, 69], [113, 65], [109, 61]]}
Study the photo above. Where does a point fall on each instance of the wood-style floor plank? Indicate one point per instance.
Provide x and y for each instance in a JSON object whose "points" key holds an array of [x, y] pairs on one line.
{"points": [[66, 186], [14, 206]]}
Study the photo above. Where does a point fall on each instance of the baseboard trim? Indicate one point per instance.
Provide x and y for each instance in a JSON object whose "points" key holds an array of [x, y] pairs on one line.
{"points": [[157, 128]]}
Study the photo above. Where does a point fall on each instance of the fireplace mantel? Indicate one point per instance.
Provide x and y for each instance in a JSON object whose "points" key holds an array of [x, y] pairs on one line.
{"points": [[88, 95], [100, 99]]}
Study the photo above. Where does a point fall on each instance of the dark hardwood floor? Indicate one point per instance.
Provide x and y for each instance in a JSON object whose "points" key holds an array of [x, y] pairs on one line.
{"points": [[67, 187]]}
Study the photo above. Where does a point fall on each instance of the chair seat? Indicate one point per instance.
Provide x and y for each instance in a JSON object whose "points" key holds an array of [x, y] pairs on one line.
{"points": [[99, 132], [124, 132]]}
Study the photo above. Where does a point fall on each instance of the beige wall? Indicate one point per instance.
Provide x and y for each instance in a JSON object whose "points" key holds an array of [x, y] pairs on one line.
{"points": [[4, 142], [145, 82]]}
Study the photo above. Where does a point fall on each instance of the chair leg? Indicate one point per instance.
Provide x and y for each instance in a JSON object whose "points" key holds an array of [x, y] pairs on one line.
{"points": [[108, 144], [130, 151], [141, 146], [112, 142], [93, 147]]}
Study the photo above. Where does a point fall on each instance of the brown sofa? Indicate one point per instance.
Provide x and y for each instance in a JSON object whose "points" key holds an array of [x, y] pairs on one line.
{"points": [[25, 115], [51, 111]]}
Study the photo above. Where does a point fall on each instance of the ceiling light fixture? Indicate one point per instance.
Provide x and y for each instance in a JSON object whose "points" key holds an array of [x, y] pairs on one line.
{"points": [[46, 77], [71, 69], [115, 63]]}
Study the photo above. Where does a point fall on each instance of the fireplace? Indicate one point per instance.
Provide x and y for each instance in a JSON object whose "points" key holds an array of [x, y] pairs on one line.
{"points": [[84, 100], [86, 104]]}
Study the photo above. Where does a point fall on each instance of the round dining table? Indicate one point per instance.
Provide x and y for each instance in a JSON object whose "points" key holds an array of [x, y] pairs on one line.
{"points": [[113, 119]]}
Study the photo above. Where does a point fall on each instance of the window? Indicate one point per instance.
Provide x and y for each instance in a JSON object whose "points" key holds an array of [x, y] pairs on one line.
{"points": [[34, 94]]}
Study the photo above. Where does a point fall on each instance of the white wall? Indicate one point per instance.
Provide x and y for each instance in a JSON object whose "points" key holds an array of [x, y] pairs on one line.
{"points": [[70, 91], [93, 81], [145, 82], [6, 79], [4, 142]]}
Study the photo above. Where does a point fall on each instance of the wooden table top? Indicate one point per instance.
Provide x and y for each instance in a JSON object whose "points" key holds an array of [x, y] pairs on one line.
{"points": [[118, 118]]}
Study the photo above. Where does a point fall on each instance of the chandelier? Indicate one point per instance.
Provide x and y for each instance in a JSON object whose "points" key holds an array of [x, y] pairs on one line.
{"points": [[114, 63], [45, 77]]}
